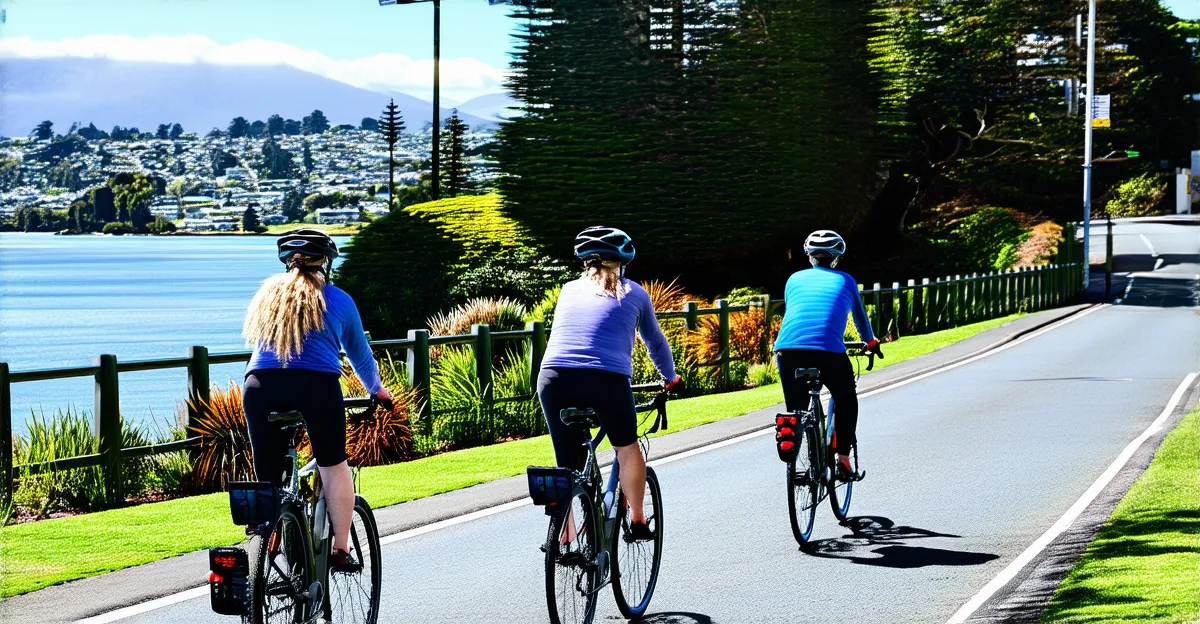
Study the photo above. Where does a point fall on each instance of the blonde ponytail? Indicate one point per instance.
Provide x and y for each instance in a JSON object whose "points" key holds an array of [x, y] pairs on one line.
{"points": [[287, 308], [606, 275]]}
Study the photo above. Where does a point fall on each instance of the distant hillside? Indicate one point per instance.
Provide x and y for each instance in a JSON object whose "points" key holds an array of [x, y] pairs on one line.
{"points": [[199, 96], [494, 106]]}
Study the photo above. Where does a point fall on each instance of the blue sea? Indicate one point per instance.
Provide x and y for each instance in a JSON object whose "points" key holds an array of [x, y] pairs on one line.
{"points": [[66, 299]]}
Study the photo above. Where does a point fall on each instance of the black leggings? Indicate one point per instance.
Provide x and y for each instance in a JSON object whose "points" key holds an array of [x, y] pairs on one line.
{"points": [[606, 392], [836, 374], [315, 394]]}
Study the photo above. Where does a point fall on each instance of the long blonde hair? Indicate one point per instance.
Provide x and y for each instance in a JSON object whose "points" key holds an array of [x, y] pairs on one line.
{"points": [[287, 308], [606, 275]]}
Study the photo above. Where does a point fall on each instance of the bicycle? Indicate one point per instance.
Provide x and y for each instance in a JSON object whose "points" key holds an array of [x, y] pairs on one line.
{"points": [[286, 576], [578, 544], [812, 473]]}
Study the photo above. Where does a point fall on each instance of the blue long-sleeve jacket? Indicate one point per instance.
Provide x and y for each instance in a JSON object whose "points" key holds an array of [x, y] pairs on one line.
{"points": [[322, 349], [817, 303], [595, 331]]}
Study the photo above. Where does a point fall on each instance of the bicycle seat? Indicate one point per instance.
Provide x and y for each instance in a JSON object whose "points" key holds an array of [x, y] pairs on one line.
{"points": [[578, 417], [286, 419], [809, 375]]}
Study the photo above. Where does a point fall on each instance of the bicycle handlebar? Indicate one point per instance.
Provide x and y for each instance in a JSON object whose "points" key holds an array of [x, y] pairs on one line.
{"points": [[859, 349]]}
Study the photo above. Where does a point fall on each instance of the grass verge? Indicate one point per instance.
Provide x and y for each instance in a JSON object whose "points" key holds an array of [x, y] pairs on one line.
{"points": [[1144, 564], [39, 554]]}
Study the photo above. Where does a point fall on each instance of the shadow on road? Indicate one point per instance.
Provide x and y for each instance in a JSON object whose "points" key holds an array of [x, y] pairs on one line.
{"points": [[878, 541], [675, 617]]}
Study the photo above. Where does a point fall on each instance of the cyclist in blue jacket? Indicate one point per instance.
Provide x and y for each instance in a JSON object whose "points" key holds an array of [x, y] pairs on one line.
{"points": [[818, 302], [298, 324], [589, 360]]}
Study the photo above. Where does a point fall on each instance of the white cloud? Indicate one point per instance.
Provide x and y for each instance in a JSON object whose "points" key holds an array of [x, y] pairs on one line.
{"points": [[461, 78]]}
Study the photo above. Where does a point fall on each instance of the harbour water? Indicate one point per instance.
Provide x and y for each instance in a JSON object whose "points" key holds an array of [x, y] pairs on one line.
{"points": [[66, 299]]}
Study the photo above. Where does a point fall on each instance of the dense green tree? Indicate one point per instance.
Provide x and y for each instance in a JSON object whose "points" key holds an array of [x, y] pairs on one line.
{"points": [[293, 205], [33, 220], [92, 133], [215, 133], [455, 169], [307, 159], [315, 123], [163, 131], [44, 131], [257, 129], [61, 148], [275, 125], [369, 123], [238, 128], [176, 132], [64, 175], [220, 161], [291, 127], [250, 220], [10, 173], [276, 162], [103, 201], [79, 216]]}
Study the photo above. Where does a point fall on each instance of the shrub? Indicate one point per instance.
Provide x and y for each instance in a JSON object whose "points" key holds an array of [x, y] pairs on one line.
{"points": [[516, 418], [160, 225], [763, 374], [1138, 197], [456, 393], [118, 228], [982, 236], [543, 310], [381, 437], [498, 314], [69, 434], [224, 452]]}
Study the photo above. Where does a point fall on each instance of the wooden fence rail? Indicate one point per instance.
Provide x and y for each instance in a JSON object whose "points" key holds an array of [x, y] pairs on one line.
{"points": [[893, 310]]}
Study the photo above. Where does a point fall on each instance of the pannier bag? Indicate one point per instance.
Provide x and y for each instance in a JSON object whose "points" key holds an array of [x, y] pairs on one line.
{"points": [[227, 580], [786, 432], [550, 487], [253, 502]]}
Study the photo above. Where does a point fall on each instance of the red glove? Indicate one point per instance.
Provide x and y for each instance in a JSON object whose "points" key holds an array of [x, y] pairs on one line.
{"points": [[674, 385], [873, 347]]}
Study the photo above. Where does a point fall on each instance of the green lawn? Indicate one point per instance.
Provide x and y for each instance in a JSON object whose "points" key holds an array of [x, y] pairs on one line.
{"points": [[43, 553], [1144, 564]]}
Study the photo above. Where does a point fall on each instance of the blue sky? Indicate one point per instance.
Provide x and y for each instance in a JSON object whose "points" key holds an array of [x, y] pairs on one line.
{"points": [[355, 41]]}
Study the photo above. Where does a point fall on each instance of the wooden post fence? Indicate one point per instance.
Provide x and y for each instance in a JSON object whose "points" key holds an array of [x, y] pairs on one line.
{"points": [[418, 377], [108, 427]]}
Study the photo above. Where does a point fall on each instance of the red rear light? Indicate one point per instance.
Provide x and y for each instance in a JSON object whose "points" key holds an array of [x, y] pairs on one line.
{"points": [[225, 561], [213, 577]]}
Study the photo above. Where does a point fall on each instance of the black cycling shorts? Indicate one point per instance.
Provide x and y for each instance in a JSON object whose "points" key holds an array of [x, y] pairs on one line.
{"points": [[606, 392], [315, 394]]}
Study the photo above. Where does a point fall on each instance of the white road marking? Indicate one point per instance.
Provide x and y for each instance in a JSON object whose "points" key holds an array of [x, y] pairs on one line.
{"points": [[1147, 241], [197, 592], [1063, 523], [138, 609]]}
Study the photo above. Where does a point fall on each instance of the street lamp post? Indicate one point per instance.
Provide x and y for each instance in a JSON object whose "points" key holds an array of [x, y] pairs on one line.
{"points": [[435, 182], [1087, 142]]}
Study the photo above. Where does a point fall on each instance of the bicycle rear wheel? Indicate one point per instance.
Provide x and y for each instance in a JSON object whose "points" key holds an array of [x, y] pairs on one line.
{"points": [[571, 574], [804, 485], [281, 570], [840, 489], [635, 564], [354, 596]]}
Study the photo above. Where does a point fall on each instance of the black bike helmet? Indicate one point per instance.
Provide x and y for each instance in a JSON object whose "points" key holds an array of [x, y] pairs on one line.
{"points": [[307, 241], [606, 242]]}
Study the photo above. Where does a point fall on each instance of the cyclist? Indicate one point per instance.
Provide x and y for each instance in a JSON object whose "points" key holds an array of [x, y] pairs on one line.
{"points": [[589, 360], [297, 324], [817, 304]]}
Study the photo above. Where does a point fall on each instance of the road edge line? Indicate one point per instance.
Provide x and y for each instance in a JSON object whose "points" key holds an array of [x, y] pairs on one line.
{"points": [[1002, 345], [1067, 519]]}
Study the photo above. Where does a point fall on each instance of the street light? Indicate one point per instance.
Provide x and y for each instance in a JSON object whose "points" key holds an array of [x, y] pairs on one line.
{"points": [[435, 183], [1089, 106]]}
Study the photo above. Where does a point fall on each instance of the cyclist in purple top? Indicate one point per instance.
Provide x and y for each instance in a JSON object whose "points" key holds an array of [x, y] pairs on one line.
{"points": [[589, 359]]}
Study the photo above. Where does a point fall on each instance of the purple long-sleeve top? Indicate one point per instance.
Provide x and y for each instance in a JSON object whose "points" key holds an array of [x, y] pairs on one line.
{"points": [[594, 330]]}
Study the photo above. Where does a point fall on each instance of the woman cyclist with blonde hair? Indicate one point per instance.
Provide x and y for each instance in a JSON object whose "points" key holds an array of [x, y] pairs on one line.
{"points": [[298, 324]]}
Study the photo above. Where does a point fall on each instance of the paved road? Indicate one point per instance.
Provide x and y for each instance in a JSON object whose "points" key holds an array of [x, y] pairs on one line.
{"points": [[966, 469]]}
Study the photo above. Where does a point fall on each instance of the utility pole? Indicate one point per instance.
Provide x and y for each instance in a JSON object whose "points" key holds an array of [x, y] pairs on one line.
{"points": [[1087, 141], [436, 182]]}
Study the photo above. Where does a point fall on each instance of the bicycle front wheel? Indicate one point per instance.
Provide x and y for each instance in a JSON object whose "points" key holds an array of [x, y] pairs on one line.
{"points": [[281, 570], [354, 595], [571, 573], [804, 485], [635, 566]]}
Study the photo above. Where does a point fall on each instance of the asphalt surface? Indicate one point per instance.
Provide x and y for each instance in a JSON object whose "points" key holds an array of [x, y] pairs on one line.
{"points": [[966, 468]]}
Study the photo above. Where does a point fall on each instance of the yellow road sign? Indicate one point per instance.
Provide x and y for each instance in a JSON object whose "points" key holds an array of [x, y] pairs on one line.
{"points": [[1101, 123]]}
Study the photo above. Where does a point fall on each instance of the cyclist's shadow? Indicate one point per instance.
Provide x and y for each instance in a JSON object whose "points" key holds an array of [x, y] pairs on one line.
{"points": [[878, 541], [676, 617]]}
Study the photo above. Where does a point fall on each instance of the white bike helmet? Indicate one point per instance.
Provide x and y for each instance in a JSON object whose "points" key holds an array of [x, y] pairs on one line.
{"points": [[824, 243]]}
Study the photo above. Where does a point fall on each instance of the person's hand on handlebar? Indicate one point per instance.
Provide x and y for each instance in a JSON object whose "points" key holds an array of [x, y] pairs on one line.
{"points": [[873, 347], [384, 398], [674, 385]]}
